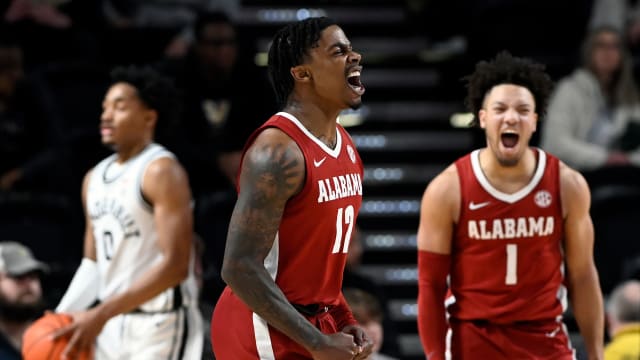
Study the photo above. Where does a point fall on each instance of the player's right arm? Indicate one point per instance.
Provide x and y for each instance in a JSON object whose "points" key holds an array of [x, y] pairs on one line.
{"points": [[89, 251], [273, 170], [438, 214], [83, 289], [582, 276]]}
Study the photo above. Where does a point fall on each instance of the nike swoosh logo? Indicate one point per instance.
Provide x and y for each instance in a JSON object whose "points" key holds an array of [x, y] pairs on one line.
{"points": [[474, 206], [318, 163], [553, 333]]}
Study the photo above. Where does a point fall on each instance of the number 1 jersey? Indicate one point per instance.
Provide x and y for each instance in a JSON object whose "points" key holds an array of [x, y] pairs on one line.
{"points": [[507, 257]]}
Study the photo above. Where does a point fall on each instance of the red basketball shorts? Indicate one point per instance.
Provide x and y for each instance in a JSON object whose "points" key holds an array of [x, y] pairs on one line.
{"points": [[483, 340], [239, 334]]}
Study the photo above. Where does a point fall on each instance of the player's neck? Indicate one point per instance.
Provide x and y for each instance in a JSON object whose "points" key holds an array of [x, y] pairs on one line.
{"points": [[313, 109], [320, 123], [506, 178], [126, 153]]}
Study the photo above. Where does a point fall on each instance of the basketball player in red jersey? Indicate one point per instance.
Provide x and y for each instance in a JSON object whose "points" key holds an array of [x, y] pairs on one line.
{"points": [[299, 192], [503, 222]]}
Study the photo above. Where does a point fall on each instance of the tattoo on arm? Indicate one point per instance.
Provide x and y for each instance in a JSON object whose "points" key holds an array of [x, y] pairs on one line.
{"points": [[271, 174], [274, 172]]}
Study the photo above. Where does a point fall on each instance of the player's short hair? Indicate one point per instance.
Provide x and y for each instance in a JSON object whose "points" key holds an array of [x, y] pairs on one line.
{"points": [[288, 48], [156, 91], [508, 69]]}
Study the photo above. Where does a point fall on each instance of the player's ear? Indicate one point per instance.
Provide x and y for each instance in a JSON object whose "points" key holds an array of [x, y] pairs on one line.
{"points": [[300, 73], [535, 122], [151, 117], [482, 115]]}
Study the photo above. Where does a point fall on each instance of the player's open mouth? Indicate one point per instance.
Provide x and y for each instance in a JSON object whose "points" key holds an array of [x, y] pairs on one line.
{"points": [[353, 79], [106, 131], [509, 139]]}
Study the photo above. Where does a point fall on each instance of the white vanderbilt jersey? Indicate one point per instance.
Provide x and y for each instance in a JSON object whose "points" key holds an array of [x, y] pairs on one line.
{"points": [[124, 230]]}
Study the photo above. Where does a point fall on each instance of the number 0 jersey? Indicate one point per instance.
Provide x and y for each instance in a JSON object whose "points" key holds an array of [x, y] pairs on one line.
{"points": [[507, 257], [124, 229], [310, 249]]}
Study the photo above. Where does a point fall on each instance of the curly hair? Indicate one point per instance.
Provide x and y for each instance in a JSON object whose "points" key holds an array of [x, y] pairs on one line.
{"points": [[507, 69], [156, 91], [288, 48]]}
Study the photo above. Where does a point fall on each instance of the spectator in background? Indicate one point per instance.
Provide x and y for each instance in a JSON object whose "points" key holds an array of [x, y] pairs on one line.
{"points": [[623, 315], [226, 98], [368, 312], [355, 279], [21, 300], [622, 15], [594, 114], [30, 142]]}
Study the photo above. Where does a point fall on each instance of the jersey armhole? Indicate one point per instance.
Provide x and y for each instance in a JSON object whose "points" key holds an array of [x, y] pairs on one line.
{"points": [[144, 200]]}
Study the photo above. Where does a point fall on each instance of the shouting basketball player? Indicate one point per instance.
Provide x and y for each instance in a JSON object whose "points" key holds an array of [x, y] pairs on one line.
{"points": [[503, 222], [300, 190]]}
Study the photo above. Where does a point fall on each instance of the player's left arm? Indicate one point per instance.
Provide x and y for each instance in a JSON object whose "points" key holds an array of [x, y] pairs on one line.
{"points": [[584, 287], [165, 185]]}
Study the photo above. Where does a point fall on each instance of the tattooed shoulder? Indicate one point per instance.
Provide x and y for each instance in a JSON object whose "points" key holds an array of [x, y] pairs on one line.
{"points": [[273, 166]]}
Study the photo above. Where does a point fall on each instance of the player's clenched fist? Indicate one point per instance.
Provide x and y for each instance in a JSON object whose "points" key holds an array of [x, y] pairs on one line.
{"points": [[337, 346]]}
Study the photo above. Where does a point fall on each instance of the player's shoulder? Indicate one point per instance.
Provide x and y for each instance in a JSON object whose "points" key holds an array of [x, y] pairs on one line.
{"points": [[275, 159], [273, 134], [571, 180], [273, 143], [163, 165], [88, 174], [446, 180], [445, 187], [87, 178], [574, 190]]}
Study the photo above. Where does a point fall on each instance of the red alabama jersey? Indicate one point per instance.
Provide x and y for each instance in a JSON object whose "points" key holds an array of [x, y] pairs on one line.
{"points": [[507, 259], [310, 250]]}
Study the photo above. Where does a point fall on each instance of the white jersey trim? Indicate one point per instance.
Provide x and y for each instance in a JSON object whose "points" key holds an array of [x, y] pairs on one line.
{"points": [[331, 152], [272, 258], [263, 338], [155, 153], [516, 196]]}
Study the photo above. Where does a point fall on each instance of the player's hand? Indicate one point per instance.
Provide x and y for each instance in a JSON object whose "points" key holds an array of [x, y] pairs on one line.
{"points": [[83, 330], [338, 346], [365, 345]]}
